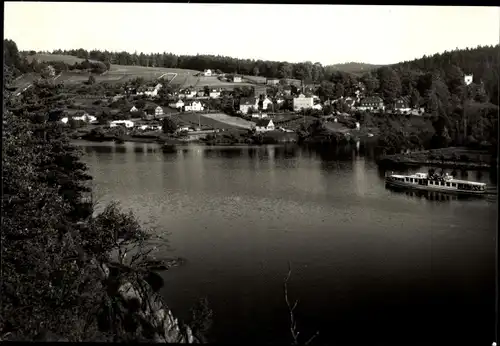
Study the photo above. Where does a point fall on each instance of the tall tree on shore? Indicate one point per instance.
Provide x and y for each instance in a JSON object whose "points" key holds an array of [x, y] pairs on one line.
{"points": [[390, 84]]}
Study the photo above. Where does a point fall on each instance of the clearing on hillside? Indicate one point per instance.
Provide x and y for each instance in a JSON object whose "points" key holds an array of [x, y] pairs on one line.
{"points": [[120, 73]]}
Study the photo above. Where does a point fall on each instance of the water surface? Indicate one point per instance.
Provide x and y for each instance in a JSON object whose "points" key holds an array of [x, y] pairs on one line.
{"points": [[369, 265]]}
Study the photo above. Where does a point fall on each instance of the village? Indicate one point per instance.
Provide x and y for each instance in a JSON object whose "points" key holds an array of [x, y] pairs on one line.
{"points": [[276, 105]]}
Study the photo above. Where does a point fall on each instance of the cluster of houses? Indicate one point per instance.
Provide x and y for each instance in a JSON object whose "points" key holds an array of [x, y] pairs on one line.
{"points": [[148, 91]]}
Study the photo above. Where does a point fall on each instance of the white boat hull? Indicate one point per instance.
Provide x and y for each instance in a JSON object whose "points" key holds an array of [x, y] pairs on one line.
{"points": [[433, 188]]}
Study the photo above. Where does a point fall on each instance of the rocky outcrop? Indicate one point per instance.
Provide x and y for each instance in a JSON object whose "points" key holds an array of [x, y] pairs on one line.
{"points": [[157, 315], [156, 319]]}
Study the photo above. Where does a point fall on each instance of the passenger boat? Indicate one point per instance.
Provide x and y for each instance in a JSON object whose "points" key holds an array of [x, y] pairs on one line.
{"points": [[445, 183]]}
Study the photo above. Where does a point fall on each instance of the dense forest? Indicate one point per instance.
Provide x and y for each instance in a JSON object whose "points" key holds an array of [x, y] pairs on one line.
{"points": [[65, 267]]}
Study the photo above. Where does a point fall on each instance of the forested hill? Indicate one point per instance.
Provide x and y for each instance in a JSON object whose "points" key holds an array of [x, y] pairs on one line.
{"points": [[482, 62], [356, 68]]}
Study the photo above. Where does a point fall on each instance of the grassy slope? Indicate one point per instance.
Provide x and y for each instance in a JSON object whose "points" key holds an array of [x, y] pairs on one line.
{"points": [[117, 72]]}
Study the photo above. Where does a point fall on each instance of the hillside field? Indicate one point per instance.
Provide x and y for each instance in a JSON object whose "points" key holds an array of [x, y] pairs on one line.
{"points": [[119, 73]]}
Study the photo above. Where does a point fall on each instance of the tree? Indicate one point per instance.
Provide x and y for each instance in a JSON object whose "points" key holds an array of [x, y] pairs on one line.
{"points": [[168, 125], [326, 90], [285, 70], [371, 83], [91, 80], [415, 98], [390, 84], [339, 90], [255, 71]]}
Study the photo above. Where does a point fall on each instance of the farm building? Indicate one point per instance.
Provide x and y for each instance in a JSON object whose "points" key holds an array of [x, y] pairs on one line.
{"points": [[133, 109], [371, 103], [193, 106], [126, 123], [264, 125], [207, 73], [302, 102], [247, 103]]}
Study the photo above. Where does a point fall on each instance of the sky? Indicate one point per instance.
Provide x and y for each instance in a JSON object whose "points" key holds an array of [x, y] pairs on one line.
{"points": [[328, 34]]}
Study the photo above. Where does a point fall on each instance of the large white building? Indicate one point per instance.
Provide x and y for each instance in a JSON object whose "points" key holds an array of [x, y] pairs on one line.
{"points": [[302, 102]]}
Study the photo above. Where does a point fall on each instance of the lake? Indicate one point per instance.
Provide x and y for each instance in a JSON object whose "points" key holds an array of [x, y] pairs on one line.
{"points": [[369, 265]]}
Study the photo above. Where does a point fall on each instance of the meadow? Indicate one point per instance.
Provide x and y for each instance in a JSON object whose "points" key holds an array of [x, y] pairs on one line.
{"points": [[120, 73]]}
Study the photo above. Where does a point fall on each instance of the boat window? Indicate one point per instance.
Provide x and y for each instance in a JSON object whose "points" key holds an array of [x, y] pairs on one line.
{"points": [[448, 184], [453, 185]]}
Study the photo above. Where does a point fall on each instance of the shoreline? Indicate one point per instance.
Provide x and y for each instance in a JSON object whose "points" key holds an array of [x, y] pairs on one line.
{"points": [[452, 157]]}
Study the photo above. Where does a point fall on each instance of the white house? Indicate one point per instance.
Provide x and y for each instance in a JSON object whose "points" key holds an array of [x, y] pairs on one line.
{"points": [[236, 79], [207, 73], [150, 91], [158, 86], [280, 100], [247, 103], [126, 123], [266, 102], [177, 105], [263, 125], [302, 102], [468, 79], [133, 109], [187, 93], [193, 106], [214, 94], [317, 107], [158, 111]]}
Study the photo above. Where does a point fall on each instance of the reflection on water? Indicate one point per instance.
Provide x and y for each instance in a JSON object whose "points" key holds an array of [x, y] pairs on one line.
{"points": [[373, 256], [432, 195]]}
